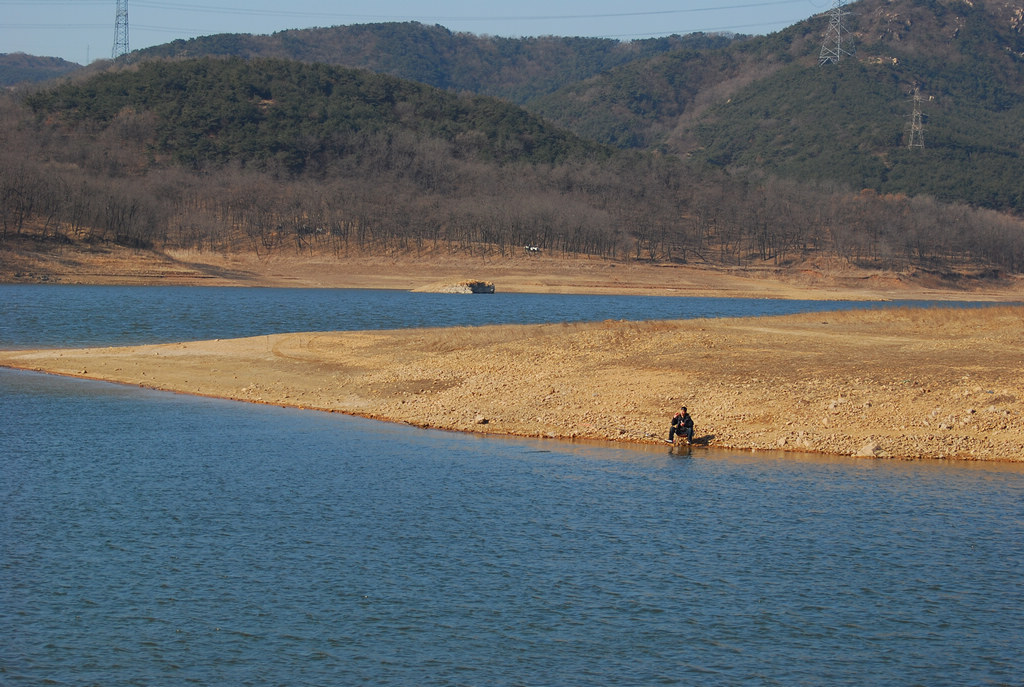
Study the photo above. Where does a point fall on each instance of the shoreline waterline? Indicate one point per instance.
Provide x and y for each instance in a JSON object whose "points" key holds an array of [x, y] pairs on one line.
{"points": [[901, 383]]}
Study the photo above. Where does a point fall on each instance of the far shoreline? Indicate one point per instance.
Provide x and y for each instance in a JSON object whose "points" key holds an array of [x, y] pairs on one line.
{"points": [[510, 273]]}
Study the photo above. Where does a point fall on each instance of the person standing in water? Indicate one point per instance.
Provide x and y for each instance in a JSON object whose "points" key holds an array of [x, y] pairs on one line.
{"points": [[682, 424]]}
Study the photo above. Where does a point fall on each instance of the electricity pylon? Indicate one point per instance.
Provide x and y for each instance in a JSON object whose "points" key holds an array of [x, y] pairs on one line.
{"points": [[832, 49], [121, 30], [916, 137]]}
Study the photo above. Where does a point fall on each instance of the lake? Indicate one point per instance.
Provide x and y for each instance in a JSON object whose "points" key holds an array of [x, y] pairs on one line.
{"points": [[159, 539], [55, 316]]}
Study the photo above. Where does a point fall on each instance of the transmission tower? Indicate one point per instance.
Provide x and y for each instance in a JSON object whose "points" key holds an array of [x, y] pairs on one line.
{"points": [[832, 49], [916, 137], [121, 30]]}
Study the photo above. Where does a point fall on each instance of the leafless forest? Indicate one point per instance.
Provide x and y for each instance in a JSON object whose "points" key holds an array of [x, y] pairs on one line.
{"points": [[400, 193]]}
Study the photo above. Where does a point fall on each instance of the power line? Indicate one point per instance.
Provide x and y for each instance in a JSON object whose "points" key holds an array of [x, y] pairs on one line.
{"points": [[197, 31], [168, 28], [192, 7], [527, 17], [710, 29]]}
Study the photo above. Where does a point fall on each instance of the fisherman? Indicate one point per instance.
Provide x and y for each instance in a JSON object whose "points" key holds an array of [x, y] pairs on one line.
{"points": [[682, 424]]}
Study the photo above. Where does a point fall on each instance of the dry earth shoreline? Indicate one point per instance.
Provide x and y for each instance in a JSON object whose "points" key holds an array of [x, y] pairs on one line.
{"points": [[900, 383], [944, 383], [515, 272]]}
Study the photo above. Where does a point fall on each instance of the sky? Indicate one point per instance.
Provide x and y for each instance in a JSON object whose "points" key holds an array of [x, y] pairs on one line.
{"points": [[83, 30]]}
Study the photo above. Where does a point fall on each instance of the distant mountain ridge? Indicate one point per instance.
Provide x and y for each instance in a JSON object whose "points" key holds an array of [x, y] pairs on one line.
{"points": [[516, 69], [752, 105], [767, 104], [848, 122], [741, 152], [17, 68]]}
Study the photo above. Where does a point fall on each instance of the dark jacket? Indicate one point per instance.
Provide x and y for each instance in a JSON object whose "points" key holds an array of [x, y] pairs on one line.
{"points": [[682, 420]]}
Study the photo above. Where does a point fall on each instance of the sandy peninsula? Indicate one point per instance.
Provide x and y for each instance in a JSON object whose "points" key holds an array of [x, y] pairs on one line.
{"points": [[894, 383], [891, 383]]}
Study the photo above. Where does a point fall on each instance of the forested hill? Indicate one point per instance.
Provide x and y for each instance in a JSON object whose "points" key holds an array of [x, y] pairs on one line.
{"points": [[516, 69], [297, 117], [18, 68], [750, 151], [761, 104], [767, 104], [270, 154]]}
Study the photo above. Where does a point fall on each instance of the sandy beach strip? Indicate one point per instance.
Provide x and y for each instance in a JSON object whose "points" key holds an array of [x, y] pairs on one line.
{"points": [[891, 383]]}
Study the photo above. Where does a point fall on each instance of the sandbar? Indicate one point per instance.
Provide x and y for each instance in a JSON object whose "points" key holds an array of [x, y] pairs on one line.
{"points": [[903, 383]]}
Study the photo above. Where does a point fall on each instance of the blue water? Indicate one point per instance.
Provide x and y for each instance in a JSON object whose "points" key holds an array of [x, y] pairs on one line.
{"points": [[159, 539], [52, 316]]}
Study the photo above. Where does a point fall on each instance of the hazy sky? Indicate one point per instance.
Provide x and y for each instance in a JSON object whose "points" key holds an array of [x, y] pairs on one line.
{"points": [[83, 30]]}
